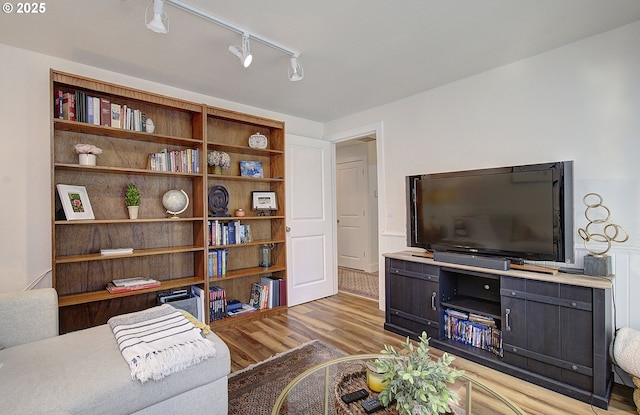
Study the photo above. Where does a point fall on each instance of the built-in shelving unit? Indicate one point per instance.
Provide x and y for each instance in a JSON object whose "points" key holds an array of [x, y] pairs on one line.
{"points": [[171, 250]]}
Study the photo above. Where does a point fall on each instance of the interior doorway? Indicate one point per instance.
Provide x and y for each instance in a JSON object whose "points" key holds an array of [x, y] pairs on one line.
{"points": [[356, 170]]}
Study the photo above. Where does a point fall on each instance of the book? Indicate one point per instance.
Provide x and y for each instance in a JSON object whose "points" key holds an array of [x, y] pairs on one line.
{"points": [[89, 110], [80, 100], [264, 297], [233, 305], [130, 282], [58, 104], [115, 115], [69, 106], [254, 299], [114, 289], [116, 251], [105, 112], [283, 292], [96, 110], [246, 308]]}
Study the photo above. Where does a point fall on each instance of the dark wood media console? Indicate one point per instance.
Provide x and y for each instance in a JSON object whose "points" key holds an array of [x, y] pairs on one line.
{"points": [[556, 329]]}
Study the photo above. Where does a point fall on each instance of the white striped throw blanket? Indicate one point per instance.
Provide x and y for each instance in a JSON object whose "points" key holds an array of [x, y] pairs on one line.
{"points": [[159, 341]]}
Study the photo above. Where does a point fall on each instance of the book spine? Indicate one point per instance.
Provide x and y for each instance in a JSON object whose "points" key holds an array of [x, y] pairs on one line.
{"points": [[105, 112], [58, 105]]}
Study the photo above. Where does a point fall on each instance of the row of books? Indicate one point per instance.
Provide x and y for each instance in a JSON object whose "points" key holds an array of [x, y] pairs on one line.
{"points": [[217, 262], [228, 233], [78, 106], [179, 161], [131, 284], [473, 329], [270, 292], [217, 303]]}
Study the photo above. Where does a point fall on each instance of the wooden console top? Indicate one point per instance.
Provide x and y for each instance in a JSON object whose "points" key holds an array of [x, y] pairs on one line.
{"points": [[560, 277]]}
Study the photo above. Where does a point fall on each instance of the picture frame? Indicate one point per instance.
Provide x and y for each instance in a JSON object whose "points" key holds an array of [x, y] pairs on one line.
{"points": [[251, 169], [264, 201], [75, 202]]}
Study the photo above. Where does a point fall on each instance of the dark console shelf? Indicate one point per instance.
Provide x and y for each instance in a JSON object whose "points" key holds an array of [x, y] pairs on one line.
{"points": [[555, 330], [474, 305]]}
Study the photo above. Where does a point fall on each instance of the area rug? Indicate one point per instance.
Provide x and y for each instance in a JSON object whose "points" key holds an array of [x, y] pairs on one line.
{"points": [[254, 390], [358, 282]]}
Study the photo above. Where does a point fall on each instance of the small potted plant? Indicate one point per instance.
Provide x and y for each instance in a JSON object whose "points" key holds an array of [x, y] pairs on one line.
{"points": [[417, 383], [132, 200], [87, 154], [219, 160]]}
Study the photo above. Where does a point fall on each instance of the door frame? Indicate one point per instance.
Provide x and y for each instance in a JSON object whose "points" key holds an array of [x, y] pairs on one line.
{"points": [[358, 132]]}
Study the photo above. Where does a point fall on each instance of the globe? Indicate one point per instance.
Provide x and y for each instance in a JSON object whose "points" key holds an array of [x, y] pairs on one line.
{"points": [[175, 201]]}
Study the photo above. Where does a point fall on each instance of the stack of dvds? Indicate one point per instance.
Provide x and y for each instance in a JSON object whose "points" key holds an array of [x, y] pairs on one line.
{"points": [[473, 329]]}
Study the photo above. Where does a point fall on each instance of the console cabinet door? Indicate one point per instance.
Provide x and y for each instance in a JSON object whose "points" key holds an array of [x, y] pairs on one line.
{"points": [[412, 298], [548, 329]]}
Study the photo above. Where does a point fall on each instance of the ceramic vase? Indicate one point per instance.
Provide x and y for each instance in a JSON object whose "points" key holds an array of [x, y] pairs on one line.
{"points": [[133, 211], [87, 159]]}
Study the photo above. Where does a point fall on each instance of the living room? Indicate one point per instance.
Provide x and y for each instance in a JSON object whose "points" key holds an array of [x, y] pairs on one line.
{"points": [[575, 102]]}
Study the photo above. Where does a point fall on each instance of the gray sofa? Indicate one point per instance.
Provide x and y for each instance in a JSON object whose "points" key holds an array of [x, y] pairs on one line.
{"points": [[83, 372]]}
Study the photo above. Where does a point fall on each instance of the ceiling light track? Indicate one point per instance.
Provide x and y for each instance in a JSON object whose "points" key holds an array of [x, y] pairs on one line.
{"points": [[295, 69]]}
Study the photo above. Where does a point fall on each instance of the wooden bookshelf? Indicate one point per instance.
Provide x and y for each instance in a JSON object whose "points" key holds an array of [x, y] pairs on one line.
{"points": [[171, 250]]}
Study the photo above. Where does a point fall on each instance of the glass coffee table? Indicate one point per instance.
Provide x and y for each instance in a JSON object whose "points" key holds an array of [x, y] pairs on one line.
{"points": [[318, 391]]}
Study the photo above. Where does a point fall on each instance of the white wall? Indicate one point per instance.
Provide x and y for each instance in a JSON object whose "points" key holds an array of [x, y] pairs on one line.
{"points": [[580, 102], [25, 165]]}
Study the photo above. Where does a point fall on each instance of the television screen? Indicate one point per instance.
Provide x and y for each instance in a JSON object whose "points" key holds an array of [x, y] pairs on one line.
{"points": [[520, 212]]}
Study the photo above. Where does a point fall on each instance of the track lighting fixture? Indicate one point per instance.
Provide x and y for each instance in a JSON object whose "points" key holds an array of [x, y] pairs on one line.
{"points": [[158, 22], [245, 54], [296, 72]]}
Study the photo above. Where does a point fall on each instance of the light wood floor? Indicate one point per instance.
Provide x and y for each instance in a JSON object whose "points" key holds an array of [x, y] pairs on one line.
{"points": [[355, 325]]}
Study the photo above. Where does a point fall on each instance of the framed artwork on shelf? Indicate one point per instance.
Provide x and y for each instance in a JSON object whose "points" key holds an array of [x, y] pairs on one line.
{"points": [[264, 201], [251, 169], [75, 202]]}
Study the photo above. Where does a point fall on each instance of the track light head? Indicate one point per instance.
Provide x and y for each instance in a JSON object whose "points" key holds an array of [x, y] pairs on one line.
{"points": [[296, 73], [245, 54], [159, 22]]}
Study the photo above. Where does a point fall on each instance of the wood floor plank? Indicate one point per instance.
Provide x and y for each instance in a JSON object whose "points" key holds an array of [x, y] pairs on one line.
{"points": [[355, 325]]}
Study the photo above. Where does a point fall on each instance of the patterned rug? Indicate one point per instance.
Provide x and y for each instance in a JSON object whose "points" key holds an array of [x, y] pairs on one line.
{"points": [[358, 282], [254, 390]]}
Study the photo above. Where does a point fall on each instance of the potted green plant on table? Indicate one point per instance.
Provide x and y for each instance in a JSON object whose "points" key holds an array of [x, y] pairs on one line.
{"points": [[132, 200], [417, 383]]}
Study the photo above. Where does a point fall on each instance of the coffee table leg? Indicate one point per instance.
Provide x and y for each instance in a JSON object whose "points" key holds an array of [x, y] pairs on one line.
{"points": [[326, 390]]}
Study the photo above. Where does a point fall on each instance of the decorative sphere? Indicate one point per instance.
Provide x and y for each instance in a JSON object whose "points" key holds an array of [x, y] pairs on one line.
{"points": [[175, 201]]}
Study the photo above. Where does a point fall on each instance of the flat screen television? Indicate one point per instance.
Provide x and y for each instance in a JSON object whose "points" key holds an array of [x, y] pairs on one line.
{"points": [[519, 212]]}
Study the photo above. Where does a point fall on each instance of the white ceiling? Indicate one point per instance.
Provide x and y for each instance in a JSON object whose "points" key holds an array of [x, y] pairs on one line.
{"points": [[357, 54]]}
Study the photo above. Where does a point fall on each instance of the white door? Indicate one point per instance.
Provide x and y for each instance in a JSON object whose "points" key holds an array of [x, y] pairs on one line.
{"points": [[351, 195], [310, 243]]}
